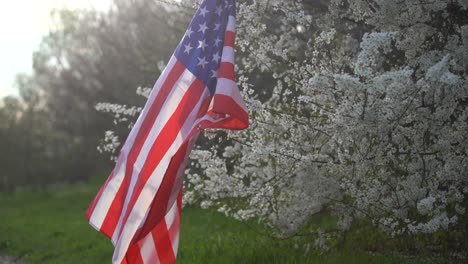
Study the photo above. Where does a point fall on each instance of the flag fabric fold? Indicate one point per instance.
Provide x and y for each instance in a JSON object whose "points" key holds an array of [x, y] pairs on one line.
{"points": [[139, 206]]}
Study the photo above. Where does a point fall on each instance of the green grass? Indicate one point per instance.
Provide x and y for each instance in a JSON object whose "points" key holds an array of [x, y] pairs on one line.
{"points": [[50, 227]]}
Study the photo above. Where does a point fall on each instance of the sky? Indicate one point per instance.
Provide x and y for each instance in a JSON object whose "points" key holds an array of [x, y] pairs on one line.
{"points": [[22, 25]]}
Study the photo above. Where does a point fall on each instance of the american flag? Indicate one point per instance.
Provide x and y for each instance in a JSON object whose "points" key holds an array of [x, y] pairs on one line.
{"points": [[139, 206]]}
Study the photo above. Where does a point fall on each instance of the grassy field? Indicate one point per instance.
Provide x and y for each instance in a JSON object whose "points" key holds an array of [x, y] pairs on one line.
{"points": [[50, 227]]}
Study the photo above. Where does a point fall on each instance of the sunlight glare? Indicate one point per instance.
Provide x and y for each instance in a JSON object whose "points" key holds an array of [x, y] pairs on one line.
{"points": [[22, 25]]}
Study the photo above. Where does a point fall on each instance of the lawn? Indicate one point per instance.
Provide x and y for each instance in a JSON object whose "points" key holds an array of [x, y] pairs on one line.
{"points": [[50, 227]]}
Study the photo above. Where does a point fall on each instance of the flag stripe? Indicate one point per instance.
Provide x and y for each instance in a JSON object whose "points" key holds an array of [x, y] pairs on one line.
{"points": [[116, 207], [228, 55], [163, 243], [226, 70], [174, 98], [171, 215], [227, 102], [91, 208], [148, 250], [151, 176], [161, 145], [229, 88], [231, 25], [233, 121], [174, 229], [96, 215], [176, 198], [104, 209], [133, 255], [159, 210], [228, 109], [229, 39], [139, 207]]}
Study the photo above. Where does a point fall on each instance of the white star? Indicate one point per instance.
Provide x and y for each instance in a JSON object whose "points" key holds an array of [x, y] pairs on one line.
{"points": [[219, 10], [217, 41], [203, 11], [214, 74], [203, 28], [189, 32], [202, 62], [216, 57], [217, 26], [188, 48], [202, 45]]}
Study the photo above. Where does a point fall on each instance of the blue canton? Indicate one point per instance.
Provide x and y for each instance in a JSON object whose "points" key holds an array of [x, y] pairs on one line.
{"points": [[202, 45]]}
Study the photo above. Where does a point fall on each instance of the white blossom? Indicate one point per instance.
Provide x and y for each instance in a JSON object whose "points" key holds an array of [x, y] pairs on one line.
{"points": [[366, 124]]}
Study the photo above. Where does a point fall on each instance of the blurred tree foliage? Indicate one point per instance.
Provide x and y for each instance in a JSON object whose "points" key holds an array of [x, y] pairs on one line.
{"points": [[50, 133]]}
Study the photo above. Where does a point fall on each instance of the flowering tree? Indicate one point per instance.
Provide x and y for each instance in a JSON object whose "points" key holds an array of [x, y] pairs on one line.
{"points": [[359, 107]]}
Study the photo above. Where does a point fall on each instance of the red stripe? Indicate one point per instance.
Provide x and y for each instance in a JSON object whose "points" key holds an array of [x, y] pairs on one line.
{"points": [[163, 243], [133, 255], [226, 70], [159, 205], [229, 39], [165, 140], [115, 210], [173, 230], [204, 107], [179, 200], [222, 104], [175, 227]]}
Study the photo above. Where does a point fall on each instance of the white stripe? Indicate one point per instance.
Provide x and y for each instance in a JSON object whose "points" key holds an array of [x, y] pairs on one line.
{"points": [[228, 54], [231, 25], [210, 107], [174, 237], [180, 174], [229, 88], [173, 211], [171, 215], [133, 179], [153, 95], [177, 183], [212, 120], [150, 189], [167, 110], [175, 242], [109, 192], [144, 218], [148, 250]]}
